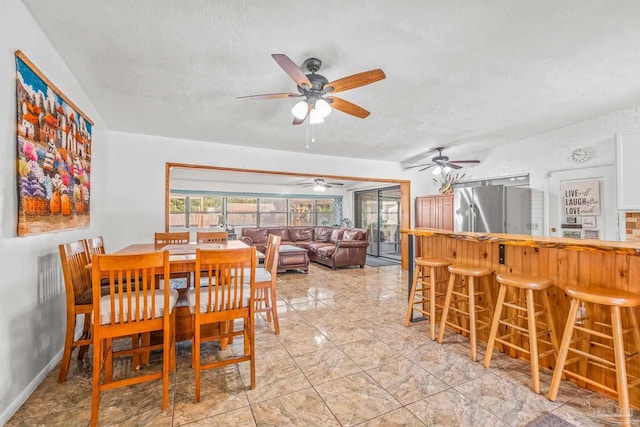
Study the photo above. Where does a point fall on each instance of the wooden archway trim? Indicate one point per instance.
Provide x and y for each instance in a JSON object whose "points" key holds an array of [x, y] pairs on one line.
{"points": [[405, 193]]}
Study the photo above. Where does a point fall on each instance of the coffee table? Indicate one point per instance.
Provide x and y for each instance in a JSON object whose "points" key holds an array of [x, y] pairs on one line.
{"points": [[293, 258]]}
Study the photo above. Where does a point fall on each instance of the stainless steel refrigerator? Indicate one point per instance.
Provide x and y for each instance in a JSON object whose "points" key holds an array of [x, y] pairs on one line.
{"points": [[492, 209]]}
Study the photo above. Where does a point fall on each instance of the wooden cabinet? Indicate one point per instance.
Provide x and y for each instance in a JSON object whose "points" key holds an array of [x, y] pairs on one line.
{"points": [[435, 212], [627, 154]]}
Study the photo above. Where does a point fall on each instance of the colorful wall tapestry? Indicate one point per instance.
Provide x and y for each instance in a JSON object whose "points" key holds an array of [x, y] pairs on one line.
{"points": [[54, 155]]}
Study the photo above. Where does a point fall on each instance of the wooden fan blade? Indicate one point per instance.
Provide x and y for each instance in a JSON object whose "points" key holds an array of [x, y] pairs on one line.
{"points": [[291, 69], [464, 161], [419, 166], [297, 121], [348, 107], [356, 80], [271, 96], [335, 183], [452, 166]]}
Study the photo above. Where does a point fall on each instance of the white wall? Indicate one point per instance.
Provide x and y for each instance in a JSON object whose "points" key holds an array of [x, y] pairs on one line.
{"points": [[550, 151], [133, 205], [32, 304]]}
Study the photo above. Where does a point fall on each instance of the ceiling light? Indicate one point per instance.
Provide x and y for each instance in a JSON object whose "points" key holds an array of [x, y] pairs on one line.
{"points": [[323, 107], [315, 117], [446, 169], [437, 170], [319, 187], [300, 110]]}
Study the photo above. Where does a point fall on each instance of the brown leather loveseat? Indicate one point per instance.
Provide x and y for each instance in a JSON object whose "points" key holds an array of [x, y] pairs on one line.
{"points": [[332, 246]]}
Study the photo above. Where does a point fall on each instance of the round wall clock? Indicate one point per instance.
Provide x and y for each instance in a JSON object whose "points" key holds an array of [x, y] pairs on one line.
{"points": [[580, 155]]}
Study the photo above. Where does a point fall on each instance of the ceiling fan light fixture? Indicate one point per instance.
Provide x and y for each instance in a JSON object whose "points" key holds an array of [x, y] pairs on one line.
{"points": [[437, 170], [319, 187], [446, 169], [322, 107], [300, 110], [315, 117]]}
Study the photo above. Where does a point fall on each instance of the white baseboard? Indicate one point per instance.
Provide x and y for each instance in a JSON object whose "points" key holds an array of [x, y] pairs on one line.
{"points": [[33, 385]]}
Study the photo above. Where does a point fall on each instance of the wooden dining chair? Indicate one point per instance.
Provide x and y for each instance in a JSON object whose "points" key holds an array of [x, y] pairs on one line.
{"points": [[174, 238], [212, 236], [77, 283], [94, 245], [220, 296], [266, 282], [131, 310]]}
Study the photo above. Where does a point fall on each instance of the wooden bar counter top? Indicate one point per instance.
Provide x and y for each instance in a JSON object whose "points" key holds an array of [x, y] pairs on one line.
{"points": [[610, 264]]}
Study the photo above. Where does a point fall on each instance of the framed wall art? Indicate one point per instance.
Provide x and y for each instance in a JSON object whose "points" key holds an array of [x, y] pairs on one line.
{"points": [[53, 155]]}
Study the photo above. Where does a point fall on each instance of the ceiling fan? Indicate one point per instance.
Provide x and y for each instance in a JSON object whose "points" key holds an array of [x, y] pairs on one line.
{"points": [[319, 184], [313, 88], [442, 163]]}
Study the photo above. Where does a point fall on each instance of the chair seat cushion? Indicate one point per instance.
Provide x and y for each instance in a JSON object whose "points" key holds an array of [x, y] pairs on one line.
{"points": [[204, 299], [262, 275], [158, 295], [86, 297]]}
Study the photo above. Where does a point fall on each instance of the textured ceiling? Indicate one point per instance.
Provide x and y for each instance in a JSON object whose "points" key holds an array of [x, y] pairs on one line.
{"points": [[470, 74]]}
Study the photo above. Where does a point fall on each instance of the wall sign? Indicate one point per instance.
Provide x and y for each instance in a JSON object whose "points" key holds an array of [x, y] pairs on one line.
{"points": [[589, 222], [572, 234], [581, 198]]}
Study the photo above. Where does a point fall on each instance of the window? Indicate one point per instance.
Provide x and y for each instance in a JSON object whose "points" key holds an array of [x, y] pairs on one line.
{"points": [[177, 209], [273, 212], [325, 212], [206, 210], [302, 212], [242, 211]]}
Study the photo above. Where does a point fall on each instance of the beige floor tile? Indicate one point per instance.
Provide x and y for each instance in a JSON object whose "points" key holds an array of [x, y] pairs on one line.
{"points": [[302, 408], [326, 365], [398, 418], [369, 353], [406, 381], [356, 398], [242, 417], [450, 408]]}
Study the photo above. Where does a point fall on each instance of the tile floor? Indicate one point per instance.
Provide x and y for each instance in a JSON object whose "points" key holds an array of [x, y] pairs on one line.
{"points": [[343, 358]]}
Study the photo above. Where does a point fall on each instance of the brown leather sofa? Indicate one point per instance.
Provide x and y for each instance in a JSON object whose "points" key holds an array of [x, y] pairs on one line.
{"points": [[331, 246]]}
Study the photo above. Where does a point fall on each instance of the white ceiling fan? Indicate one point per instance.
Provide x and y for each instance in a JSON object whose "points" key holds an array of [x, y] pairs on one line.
{"points": [[319, 184]]}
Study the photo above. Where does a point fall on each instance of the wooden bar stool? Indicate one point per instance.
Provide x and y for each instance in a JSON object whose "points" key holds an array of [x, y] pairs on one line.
{"points": [[523, 310], [465, 293], [423, 291], [604, 338]]}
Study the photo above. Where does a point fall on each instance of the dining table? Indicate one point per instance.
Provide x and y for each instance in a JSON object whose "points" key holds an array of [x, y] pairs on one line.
{"points": [[182, 257]]}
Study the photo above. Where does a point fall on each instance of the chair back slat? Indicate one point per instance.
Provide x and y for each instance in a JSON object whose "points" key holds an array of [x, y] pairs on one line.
{"points": [[212, 236], [94, 245], [271, 254], [171, 238], [74, 259]]}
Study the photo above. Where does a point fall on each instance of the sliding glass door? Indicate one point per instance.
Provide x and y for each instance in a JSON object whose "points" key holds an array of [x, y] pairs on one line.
{"points": [[378, 210]]}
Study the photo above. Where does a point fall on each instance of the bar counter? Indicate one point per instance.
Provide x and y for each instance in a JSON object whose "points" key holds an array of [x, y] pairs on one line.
{"points": [[609, 264]]}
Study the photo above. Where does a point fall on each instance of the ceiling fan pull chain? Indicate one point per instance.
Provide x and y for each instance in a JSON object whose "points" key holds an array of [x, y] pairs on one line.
{"points": [[307, 134]]}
